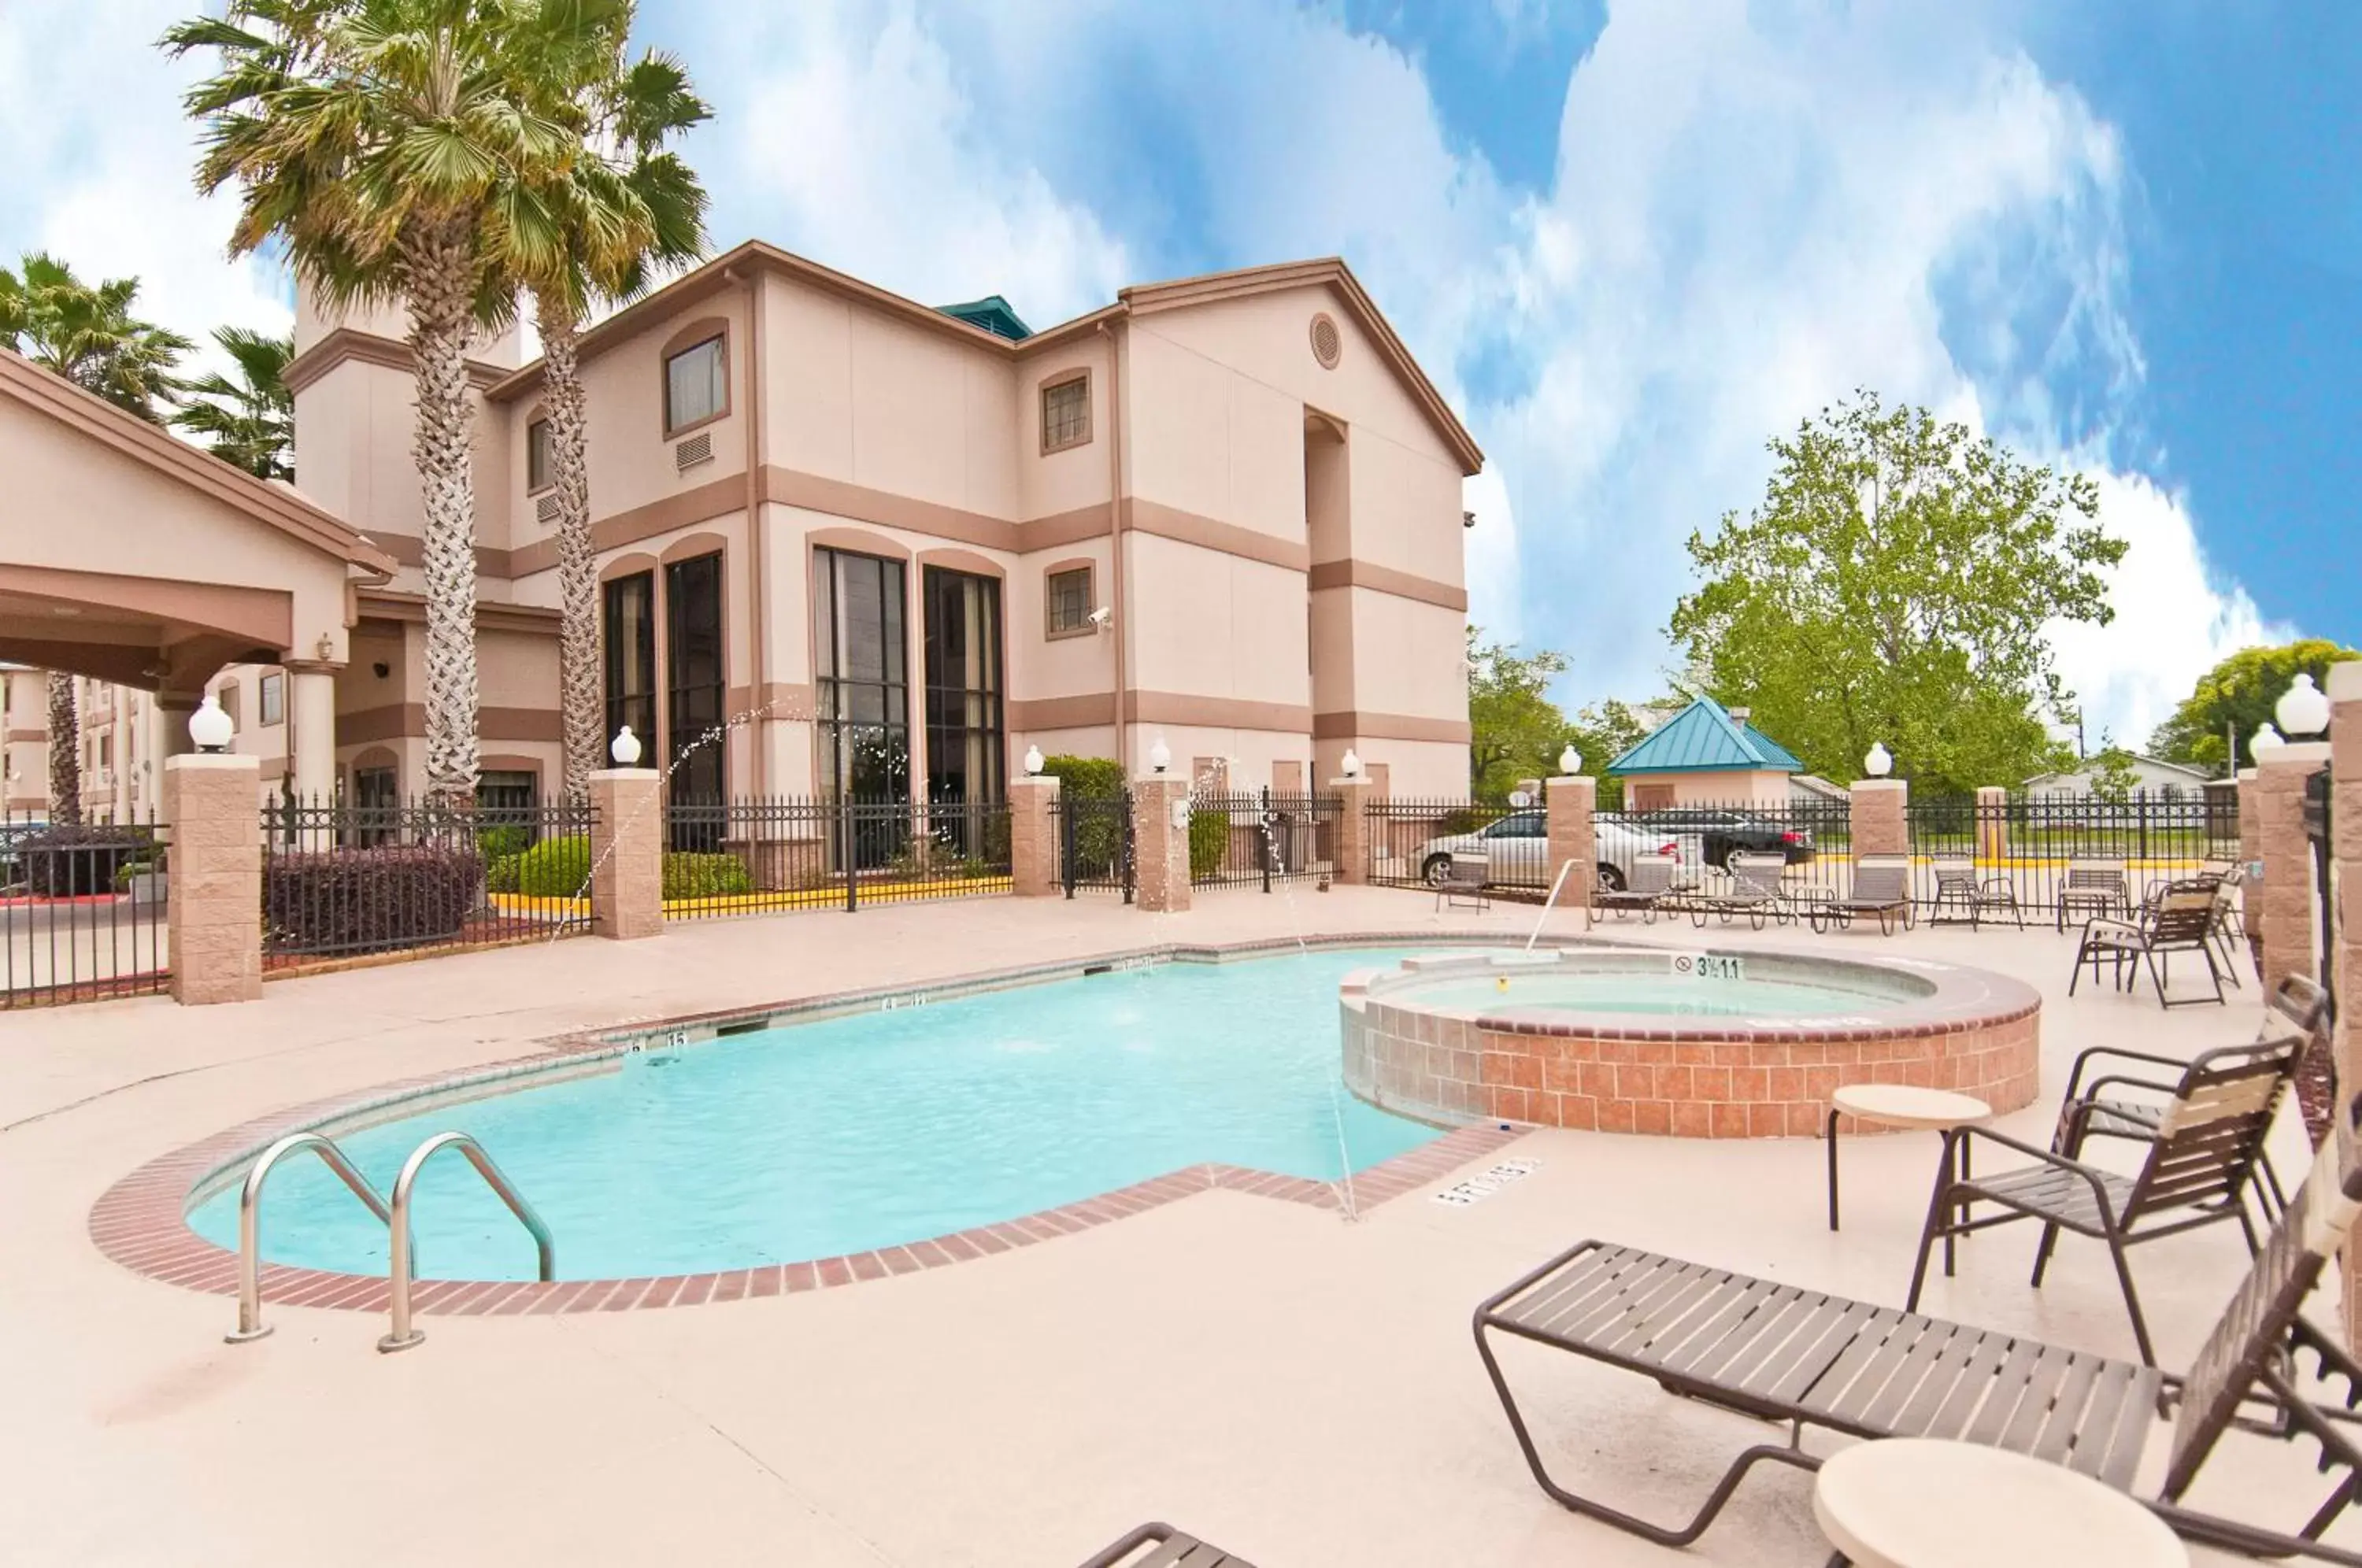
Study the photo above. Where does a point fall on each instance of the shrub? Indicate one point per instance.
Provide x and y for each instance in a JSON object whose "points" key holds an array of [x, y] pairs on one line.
{"points": [[500, 843], [1086, 778], [368, 900], [500, 874], [77, 859], [688, 876], [1098, 834], [554, 868], [1210, 838]]}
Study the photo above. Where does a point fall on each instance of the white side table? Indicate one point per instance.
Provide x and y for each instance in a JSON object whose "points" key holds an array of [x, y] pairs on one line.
{"points": [[1926, 1503], [1902, 1105]]}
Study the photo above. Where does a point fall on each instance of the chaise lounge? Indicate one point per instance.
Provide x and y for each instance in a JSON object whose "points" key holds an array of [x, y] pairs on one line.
{"points": [[1882, 891], [1161, 1546]]}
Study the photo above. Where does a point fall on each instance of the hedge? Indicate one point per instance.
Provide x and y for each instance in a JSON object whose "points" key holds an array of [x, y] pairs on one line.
{"points": [[688, 876], [77, 859], [554, 868], [1209, 839], [368, 900], [1098, 835]]}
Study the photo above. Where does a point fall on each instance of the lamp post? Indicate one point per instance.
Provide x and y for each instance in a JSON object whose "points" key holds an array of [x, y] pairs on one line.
{"points": [[1352, 763], [625, 748], [210, 727], [1877, 762], [2266, 738], [1569, 761]]}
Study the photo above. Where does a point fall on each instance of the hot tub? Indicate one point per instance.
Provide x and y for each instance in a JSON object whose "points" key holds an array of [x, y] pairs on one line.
{"points": [[1694, 1043]]}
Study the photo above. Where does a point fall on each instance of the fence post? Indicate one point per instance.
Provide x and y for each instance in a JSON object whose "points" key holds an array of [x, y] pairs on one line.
{"points": [[1161, 849], [1269, 843], [1992, 826], [1880, 817], [1572, 841], [627, 836], [1354, 793], [213, 917], [2286, 892], [848, 847], [1033, 850]]}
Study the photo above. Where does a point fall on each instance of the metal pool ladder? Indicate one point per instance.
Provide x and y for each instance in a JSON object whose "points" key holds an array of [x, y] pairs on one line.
{"points": [[403, 1334], [251, 1325]]}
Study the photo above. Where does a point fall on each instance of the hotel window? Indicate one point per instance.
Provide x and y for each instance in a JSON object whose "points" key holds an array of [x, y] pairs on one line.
{"points": [[274, 699], [228, 696], [862, 699], [629, 641], [964, 712], [508, 798], [1068, 594], [536, 456], [1065, 412], [695, 387], [693, 678]]}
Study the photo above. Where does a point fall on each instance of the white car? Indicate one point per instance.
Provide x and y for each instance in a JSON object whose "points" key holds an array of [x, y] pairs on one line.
{"points": [[1517, 848]]}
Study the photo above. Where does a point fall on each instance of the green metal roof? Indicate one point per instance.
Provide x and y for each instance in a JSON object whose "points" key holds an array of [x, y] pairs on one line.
{"points": [[1704, 738], [993, 313]]}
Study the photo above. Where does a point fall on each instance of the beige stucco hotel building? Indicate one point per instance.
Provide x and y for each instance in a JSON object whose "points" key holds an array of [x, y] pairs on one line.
{"points": [[899, 543]]}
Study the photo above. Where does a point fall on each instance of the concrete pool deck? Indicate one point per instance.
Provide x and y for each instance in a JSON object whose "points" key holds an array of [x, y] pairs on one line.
{"points": [[1301, 1389]]}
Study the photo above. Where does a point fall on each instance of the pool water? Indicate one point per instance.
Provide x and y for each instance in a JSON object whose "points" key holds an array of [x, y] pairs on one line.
{"points": [[1648, 993], [868, 1130]]}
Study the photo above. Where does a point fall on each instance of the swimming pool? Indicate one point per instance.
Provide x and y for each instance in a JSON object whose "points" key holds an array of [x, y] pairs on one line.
{"points": [[868, 1130]]}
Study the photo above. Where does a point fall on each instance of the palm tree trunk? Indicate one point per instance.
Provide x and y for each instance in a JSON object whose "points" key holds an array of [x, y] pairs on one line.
{"points": [[439, 277], [65, 751], [581, 689]]}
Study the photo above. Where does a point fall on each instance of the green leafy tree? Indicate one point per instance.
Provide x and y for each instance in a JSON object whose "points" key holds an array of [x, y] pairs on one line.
{"points": [[86, 333], [383, 144], [2236, 698], [1602, 732], [1515, 730], [1894, 585], [248, 420]]}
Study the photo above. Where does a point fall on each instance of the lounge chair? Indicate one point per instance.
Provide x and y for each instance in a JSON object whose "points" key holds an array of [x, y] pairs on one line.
{"points": [[1166, 1548], [1781, 1353], [2200, 1163], [1463, 884], [1755, 892], [1649, 880], [2093, 887], [1959, 888], [2182, 920], [1882, 890]]}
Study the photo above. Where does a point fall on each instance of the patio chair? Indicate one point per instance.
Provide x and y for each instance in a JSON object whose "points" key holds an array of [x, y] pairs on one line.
{"points": [[2094, 888], [1466, 878], [2122, 1104], [1649, 880], [1881, 888], [2222, 880], [1781, 1353], [2202, 1152], [1171, 1549], [1959, 888], [2181, 920], [1755, 892]]}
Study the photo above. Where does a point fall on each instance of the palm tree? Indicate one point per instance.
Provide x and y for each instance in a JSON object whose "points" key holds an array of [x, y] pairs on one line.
{"points": [[87, 333], [65, 751], [371, 138], [626, 212], [250, 420]]}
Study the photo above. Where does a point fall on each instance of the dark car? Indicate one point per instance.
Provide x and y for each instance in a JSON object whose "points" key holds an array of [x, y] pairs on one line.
{"points": [[1725, 830]]}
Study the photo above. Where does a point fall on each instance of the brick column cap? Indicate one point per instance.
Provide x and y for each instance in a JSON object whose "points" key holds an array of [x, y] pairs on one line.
{"points": [[2344, 684], [1049, 781], [2248, 774], [2307, 755], [1573, 778], [624, 775], [1876, 785], [1353, 781], [202, 761]]}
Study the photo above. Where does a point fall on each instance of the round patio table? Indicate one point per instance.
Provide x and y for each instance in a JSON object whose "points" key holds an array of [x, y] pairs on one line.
{"points": [[1902, 1105], [1928, 1503]]}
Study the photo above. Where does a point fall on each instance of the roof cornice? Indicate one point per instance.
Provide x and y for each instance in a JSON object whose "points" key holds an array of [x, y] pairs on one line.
{"points": [[52, 395], [371, 349]]}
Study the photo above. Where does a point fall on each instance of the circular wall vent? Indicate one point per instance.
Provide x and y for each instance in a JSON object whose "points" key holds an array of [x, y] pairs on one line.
{"points": [[1328, 343]]}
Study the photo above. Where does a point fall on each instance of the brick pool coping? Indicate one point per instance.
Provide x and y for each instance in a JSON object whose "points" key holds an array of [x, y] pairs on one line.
{"points": [[141, 1221]]}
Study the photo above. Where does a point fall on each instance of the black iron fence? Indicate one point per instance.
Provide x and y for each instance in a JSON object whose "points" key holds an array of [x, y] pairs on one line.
{"points": [[1094, 843], [1412, 841], [2019, 853], [1812, 837], [1256, 838], [342, 880], [82, 908], [755, 855]]}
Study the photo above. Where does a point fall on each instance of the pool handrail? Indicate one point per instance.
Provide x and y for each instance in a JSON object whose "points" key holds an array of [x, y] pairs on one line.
{"points": [[251, 1325], [401, 1333]]}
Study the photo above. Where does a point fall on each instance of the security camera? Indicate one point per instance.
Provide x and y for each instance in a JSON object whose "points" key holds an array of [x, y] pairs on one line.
{"points": [[1101, 617], [1468, 520]]}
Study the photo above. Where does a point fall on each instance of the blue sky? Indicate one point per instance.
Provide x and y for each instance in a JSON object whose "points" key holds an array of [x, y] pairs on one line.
{"points": [[1631, 241]]}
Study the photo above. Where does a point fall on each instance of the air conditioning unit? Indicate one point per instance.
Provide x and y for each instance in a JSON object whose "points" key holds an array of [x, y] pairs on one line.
{"points": [[698, 449], [546, 509]]}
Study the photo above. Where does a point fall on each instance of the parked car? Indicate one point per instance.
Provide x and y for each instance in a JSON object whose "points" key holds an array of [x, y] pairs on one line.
{"points": [[1722, 831], [1517, 849]]}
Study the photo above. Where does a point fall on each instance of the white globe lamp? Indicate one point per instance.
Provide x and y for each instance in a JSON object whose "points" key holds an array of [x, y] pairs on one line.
{"points": [[2303, 709], [1879, 762], [1159, 756], [210, 727], [1351, 764], [1032, 762], [2265, 739], [1569, 761], [625, 748]]}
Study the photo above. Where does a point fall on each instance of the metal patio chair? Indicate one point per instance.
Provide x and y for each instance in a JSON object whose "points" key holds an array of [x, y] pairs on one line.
{"points": [[1782, 1352], [1648, 882], [2094, 888], [2121, 1103], [2201, 1160], [1755, 892], [1463, 884], [1959, 888], [2182, 920], [1161, 1546], [1882, 890]]}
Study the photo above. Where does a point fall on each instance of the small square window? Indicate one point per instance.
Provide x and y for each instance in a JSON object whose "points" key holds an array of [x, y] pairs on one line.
{"points": [[536, 456], [1066, 413], [1069, 597], [274, 699], [695, 389]]}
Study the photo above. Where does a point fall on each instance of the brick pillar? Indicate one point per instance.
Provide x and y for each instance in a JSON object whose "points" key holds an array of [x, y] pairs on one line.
{"points": [[627, 852], [1571, 840], [214, 918], [2251, 863], [2288, 921], [1354, 795], [1880, 819], [1033, 828], [1161, 846], [1992, 826], [2345, 687]]}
